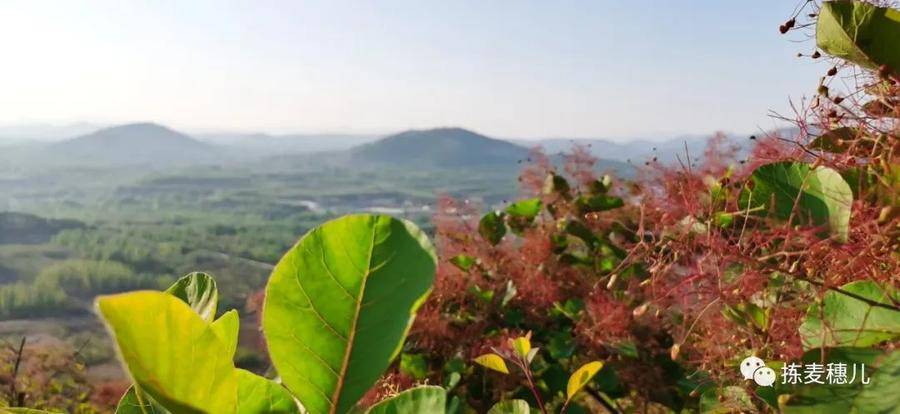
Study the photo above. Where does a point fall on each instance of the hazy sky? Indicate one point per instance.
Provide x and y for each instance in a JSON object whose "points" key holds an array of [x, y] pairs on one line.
{"points": [[506, 68]]}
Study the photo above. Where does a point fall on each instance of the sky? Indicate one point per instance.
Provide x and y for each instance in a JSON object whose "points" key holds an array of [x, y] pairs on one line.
{"points": [[525, 69]]}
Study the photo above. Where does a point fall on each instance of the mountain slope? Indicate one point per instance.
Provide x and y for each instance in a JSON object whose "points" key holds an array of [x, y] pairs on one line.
{"points": [[440, 147], [139, 143], [260, 144]]}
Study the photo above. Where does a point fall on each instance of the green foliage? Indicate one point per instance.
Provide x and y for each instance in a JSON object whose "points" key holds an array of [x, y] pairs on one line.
{"points": [[597, 203], [492, 227], [85, 279], [556, 184], [463, 262], [27, 300], [510, 407], [340, 303], [793, 190], [414, 365], [257, 395], [844, 320], [861, 33], [522, 213], [834, 140], [198, 290], [878, 396], [425, 399], [730, 399], [66, 286]]}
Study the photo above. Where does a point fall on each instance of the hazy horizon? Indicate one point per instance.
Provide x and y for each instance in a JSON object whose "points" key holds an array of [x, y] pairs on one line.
{"points": [[50, 132], [521, 70]]}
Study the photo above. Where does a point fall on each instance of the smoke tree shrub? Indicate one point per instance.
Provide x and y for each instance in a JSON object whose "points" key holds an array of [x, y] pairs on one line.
{"points": [[672, 279]]}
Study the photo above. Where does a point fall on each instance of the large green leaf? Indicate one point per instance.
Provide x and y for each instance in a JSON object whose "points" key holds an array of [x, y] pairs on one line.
{"points": [[170, 352], [339, 304], [821, 195], [198, 290], [258, 395], [425, 399], [510, 407], [878, 396], [844, 320], [861, 33]]}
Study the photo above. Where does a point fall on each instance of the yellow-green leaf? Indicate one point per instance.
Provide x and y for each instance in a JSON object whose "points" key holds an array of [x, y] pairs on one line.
{"points": [[581, 377], [522, 346], [493, 361], [170, 352], [226, 328]]}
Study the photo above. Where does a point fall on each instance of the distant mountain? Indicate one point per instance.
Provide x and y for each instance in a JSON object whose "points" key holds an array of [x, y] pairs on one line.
{"points": [[130, 144], [639, 150], [440, 147]]}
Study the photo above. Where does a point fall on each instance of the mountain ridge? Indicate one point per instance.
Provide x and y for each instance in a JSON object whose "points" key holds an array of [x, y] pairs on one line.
{"points": [[133, 143], [439, 147]]}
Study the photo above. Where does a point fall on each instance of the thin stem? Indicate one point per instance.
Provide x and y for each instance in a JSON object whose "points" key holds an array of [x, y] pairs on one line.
{"points": [[599, 398], [18, 397], [537, 396]]}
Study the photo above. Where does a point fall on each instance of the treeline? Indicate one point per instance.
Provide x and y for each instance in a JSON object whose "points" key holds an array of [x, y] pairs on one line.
{"points": [[161, 248], [70, 286], [22, 228], [135, 255]]}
